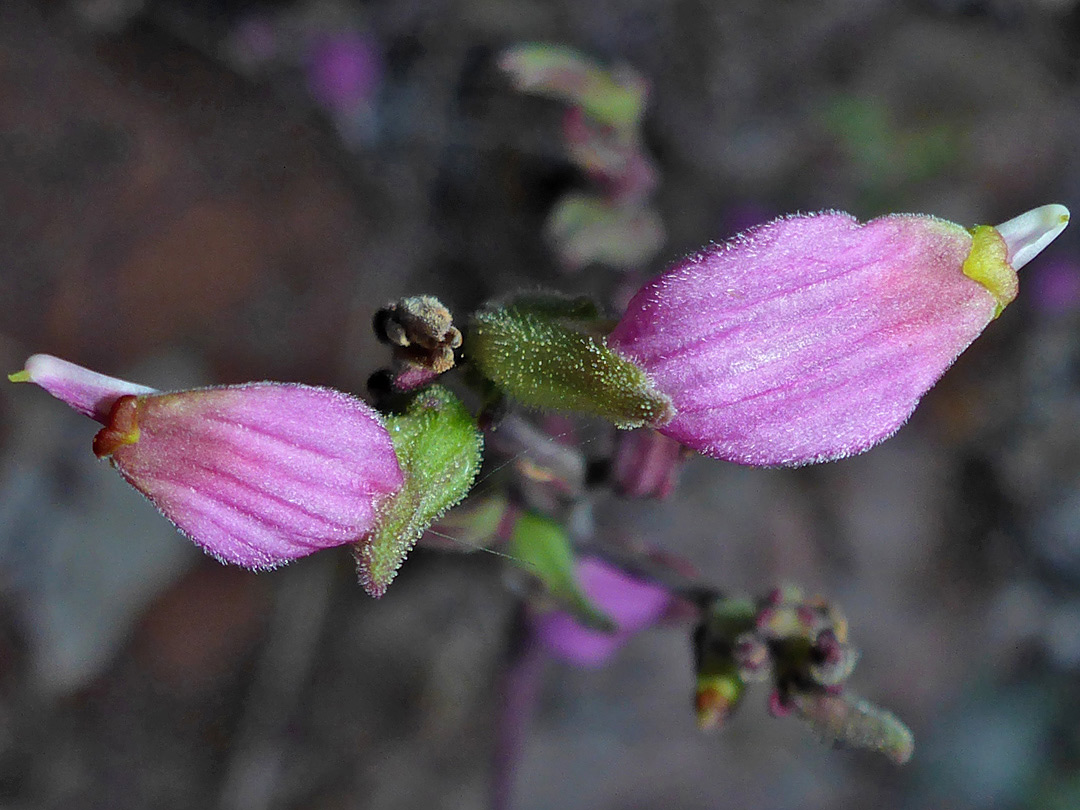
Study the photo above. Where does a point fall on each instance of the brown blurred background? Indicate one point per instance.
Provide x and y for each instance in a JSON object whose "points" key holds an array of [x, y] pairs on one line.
{"points": [[182, 202]]}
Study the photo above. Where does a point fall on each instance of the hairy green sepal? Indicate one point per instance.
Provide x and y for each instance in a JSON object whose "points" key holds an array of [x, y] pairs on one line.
{"points": [[439, 449], [545, 357], [848, 720], [542, 547]]}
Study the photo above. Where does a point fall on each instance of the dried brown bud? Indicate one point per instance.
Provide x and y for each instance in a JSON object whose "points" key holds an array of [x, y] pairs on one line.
{"points": [[421, 330]]}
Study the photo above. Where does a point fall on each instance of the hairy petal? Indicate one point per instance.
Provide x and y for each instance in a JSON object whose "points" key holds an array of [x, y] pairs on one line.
{"points": [[809, 338], [263, 473], [256, 474]]}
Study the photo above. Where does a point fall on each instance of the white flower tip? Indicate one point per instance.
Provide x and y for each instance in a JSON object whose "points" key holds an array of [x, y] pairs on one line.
{"points": [[86, 391], [40, 367], [1027, 235]]}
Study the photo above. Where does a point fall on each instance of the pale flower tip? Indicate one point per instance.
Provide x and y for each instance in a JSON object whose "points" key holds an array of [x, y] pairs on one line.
{"points": [[85, 391], [1026, 235]]}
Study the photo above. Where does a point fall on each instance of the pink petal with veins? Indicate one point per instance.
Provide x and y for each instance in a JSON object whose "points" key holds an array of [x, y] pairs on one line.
{"points": [[809, 338], [256, 474]]}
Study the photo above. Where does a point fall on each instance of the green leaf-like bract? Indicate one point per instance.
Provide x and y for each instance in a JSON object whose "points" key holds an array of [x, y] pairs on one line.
{"points": [[439, 449], [541, 547], [547, 361]]}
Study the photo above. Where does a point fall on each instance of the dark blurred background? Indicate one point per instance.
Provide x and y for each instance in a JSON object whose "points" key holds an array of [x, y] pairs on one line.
{"points": [[185, 198]]}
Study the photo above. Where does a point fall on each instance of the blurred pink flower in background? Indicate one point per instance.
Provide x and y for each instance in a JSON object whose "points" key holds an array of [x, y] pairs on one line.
{"points": [[632, 604], [615, 159], [344, 69], [646, 463]]}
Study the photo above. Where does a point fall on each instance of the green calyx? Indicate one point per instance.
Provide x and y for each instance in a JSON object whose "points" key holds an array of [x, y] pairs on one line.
{"points": [[439, 448], [551, 353], [987, 263]]}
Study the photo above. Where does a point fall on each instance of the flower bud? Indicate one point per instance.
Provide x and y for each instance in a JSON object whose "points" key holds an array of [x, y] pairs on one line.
{"points": [[753, 658], [585, 229], [813, 337], [256, 474], [264, 473], [632, 604], [831, 660], [612, 97], [715, 698]]}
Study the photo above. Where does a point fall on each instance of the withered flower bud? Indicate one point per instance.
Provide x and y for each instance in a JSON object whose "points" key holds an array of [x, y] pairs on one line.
{"points": [[421, 330]]}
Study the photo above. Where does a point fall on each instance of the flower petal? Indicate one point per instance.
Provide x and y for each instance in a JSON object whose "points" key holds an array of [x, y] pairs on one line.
{"points": [[1027, 235], [263, 473], [85, 391], [809, 338]]}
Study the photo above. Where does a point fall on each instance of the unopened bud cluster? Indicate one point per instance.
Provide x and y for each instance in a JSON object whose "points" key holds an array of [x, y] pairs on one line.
{"points": [[802, 643], [800, 648]]}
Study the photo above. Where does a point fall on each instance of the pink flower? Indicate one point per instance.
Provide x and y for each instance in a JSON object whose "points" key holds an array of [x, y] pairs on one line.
{"points": [[633, 605], [344, 70], [813, 337], [646, 464], [1057, 287], [256, 474]]}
